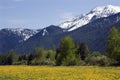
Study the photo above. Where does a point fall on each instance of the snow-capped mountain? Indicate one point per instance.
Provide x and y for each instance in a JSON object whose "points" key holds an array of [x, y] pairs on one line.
{"points": [[98, 12], [94, 34], [23, 33], [11, 37]]}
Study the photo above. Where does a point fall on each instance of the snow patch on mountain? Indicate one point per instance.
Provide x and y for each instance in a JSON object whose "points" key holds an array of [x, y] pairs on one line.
{"points": [[24, 33], [45, 32], [98, 12]]}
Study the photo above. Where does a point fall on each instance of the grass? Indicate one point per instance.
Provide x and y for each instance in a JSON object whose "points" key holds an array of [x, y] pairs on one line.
{"points": [[59, 73]]}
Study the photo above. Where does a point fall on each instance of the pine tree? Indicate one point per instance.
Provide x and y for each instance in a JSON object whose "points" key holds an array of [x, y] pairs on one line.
{"points": [[83, 51]]}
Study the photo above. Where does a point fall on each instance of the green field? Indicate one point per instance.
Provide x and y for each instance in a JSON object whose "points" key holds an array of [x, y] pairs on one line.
{"points": [[59, 73]]}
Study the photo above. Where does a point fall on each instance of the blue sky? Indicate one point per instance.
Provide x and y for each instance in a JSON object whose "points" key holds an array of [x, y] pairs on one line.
{"points": [[36, 14]]}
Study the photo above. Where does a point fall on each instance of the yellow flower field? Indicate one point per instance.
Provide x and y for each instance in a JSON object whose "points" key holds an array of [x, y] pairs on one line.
{"points": [[59, 73]]}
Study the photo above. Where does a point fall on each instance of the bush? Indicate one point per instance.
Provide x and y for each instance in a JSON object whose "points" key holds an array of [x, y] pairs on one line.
{"points": [[97, 58], [23, 62], [81, 63]]}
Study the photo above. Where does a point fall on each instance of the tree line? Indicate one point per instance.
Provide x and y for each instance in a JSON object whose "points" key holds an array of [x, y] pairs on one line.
{"points": [[68, 53]]}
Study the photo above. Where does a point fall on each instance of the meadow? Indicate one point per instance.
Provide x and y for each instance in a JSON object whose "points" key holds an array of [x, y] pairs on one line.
{"points": [[59, 73]]}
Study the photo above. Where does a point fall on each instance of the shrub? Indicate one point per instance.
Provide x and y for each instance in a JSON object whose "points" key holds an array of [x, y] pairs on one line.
{"points": [[96, 58]]}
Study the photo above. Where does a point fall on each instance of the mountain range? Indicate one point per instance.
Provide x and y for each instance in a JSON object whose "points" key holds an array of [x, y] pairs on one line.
{"points": [[10, 38], [91, 28], [98, 12]]}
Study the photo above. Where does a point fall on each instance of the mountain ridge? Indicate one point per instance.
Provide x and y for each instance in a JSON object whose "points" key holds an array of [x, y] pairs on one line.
{"points": [[25, 40], [93, 34], [98, 12]]}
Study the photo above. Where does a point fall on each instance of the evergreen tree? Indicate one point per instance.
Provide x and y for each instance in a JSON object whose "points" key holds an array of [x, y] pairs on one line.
{"points": [[83, 51], [12, 58]]}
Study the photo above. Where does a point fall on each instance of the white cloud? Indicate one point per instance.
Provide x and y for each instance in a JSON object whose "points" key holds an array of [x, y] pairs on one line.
{"points": [[66, 16]]}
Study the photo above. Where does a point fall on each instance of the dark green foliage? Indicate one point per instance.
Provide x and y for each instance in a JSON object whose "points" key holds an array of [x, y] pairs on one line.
{"points": [[25, 59], [83, 51], [3, 59], [42, 57], [12, 57], [113, 45], [8, 58], [38, 56]]}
